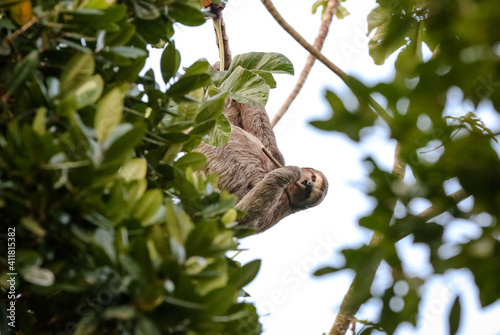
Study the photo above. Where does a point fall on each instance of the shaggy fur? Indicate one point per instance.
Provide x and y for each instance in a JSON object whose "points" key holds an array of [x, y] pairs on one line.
{"points": [[266, 194]]}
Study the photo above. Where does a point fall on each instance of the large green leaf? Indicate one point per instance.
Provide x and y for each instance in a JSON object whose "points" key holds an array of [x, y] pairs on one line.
{"points": [[246, 87], [221, 132], [271, 62]]}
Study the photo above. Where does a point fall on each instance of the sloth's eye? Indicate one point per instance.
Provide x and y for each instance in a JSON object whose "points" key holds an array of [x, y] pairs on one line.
{"points": [[313, 178]]}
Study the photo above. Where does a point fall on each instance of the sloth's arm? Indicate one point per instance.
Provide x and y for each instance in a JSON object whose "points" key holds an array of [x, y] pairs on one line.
{"points": [[263, 204]]}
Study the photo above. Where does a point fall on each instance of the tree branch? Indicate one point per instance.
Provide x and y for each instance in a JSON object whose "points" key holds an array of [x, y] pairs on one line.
{"points": [[311, 49], [350, 305], [330, 10]]}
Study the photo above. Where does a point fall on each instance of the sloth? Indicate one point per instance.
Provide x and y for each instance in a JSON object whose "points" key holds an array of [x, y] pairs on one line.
{"points": [[266, 194]]}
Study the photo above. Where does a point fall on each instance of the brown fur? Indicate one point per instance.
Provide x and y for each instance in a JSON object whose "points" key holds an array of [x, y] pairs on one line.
{"points": [[265, 193]]}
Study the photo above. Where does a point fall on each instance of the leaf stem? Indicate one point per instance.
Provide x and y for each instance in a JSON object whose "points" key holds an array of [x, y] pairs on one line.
{"points": [[220, 42]]}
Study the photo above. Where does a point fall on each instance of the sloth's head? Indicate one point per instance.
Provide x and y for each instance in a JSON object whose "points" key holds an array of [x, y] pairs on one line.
{"points": [[315, 187]]}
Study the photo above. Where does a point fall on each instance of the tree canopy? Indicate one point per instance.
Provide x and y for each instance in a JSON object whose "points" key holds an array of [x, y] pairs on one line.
{"points": [[114, 230]]}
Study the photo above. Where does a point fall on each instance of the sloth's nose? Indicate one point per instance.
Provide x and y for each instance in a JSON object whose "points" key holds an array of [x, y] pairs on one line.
{"points": [[307, 183]]}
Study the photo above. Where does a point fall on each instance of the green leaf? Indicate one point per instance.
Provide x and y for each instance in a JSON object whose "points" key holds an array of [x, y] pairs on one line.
{"points": [[246, 87], [145, 326], [344, 120], [186, 84], [170, 61], [324, 271], [246, 274], [147, 207], [454, 317], [212, 108], [39, 121], [194, 160], [78, 69], [135, 169], [221, 132], [23, 71], [185, 14], [121, 141], [271, 62], [146, 10], [109, 113], [88, 92]]}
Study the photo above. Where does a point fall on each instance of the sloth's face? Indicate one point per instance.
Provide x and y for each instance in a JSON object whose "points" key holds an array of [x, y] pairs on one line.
{"points": [[315, 187]]}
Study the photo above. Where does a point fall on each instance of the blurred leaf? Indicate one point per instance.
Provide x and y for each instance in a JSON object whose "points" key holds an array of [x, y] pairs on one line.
{"points": [[21, 12], [185, 14], [109, 113], [80, 67], [135, 169], [344, 120], [454, 317], [148, 206], [194, 160], [23, 71]]}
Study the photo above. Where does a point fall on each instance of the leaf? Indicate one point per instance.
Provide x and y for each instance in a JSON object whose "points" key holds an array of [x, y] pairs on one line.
{"points": [[135, 169], [194, 160], [246, 87], [186, 84], [109, 113], [271, 62], [454, 317], [121, 141], [185, 14], [145, 10], [23, 71], [324, 271], [145, 326], [123, 55], [344, 120], [212, 108], [38, 276], [39, 121], [88, 92], [79, 68], [104, 239], [246, 274], [22, 12], [170, 61], [221, 132], [147, 207]]}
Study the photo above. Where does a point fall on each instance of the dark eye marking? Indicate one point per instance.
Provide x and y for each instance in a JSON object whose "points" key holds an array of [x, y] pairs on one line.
{"points": [[313, 178]]}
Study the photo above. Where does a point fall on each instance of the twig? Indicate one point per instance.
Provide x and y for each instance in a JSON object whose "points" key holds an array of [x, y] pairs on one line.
{"points": [[330, 10], [21, 30], [311, 49], [268, 154]]}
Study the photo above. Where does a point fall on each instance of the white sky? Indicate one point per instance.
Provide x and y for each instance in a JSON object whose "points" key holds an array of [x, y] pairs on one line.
{"points": [[289, 299]]}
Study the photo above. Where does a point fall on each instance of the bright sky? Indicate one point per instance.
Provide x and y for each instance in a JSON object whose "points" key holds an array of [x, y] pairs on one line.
{"points": [[289, 299]]}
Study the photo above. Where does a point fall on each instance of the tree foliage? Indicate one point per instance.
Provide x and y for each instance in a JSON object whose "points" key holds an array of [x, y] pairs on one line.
{"points": [[116, 232], [440, 148]]}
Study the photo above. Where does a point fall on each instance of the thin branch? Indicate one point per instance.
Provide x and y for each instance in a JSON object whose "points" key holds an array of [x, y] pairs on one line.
{"points": [[21, 30], [350, 304], [324, 28], [271, 157], [311, 49]]}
